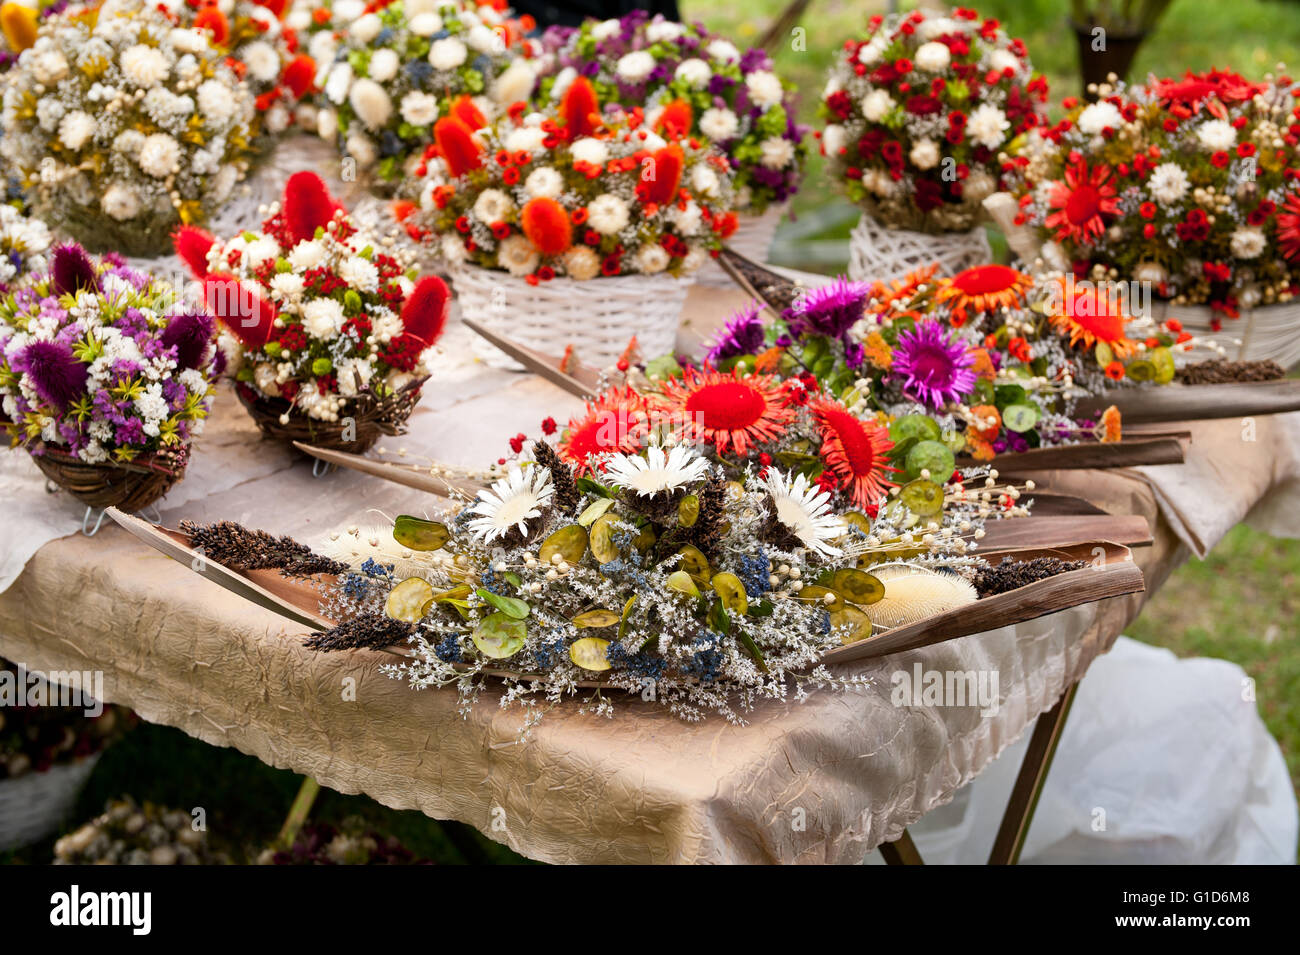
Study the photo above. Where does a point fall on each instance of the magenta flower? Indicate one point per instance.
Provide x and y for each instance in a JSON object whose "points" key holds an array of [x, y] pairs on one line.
{"points": [[830, 310], [190, 334], [935, 368], [741, 335], [55, 372], [72, 270]]}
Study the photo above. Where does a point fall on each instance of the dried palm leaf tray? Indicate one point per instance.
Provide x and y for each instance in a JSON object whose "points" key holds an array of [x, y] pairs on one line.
{"points": [[1111, 572], [129, 486], [365, 419]]}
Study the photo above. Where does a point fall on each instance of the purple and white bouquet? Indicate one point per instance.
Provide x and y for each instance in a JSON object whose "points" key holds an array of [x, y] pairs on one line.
{"points": [[695, 82], [104, 364]]}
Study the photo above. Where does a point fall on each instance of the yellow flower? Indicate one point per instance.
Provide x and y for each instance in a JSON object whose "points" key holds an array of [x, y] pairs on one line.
{"points": [[19, 25]]}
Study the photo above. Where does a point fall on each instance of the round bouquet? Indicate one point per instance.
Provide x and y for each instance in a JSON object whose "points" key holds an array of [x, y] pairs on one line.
{"points": [[327, 334], [917, 111], [586, 228], [122, 126], [1185, 188], [391, 69], [106, 378], [702, 85]]}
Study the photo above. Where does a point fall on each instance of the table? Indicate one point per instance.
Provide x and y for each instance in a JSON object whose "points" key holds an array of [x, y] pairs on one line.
{"points": [[822, 781]]}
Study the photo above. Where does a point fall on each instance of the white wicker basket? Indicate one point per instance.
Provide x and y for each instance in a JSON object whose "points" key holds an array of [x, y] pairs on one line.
{"points": [[753, 239], [1270, 332], [877, 253], [597, 317], [33, 805]]}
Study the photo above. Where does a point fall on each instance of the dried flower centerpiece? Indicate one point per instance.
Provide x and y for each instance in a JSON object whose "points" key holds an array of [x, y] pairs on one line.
{"points": [[106, 378], [123, 126], [917, 111], [686, 77], [576, 226], [24, 247], [326, 331], [389, 70]]}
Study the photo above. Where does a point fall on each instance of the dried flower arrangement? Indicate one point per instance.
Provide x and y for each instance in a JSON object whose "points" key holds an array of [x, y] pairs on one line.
{"points": [[128, 833], [122, 126], [350, 843], [1186, 185], [106, 377], [389, 70], [575, 191], [24, 246], [322, 323], [683, 76], [917, 111]]}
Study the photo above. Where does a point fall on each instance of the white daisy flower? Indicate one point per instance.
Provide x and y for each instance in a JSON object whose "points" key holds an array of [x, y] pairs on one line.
{"points": [[419, 109], [492, 206], [1248, 242], [777, 152], [635, 66], [805, 511], [517, 255], [657, 471], [694, 72], [511, 503], [1217, 136], [719, 124], [1168, 183], [607, 214], [589, 150], [764, 88]]}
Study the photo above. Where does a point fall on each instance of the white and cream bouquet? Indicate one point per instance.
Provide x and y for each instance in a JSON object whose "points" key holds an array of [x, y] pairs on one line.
{"points": [[24, 244], [122, 126]]}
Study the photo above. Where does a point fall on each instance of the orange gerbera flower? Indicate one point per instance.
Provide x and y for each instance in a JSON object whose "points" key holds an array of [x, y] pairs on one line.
{"points": [[984, 288], [1111, 428], [1089, 315], [617, 420], [904, 288], [854, 451], [1081, 203], [730, 411]]}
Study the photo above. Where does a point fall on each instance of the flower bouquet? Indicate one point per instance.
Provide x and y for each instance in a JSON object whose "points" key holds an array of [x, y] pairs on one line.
{"points": [[24, 247], [917, 111], [390, 69], [128, 833], [1184, 191], [106, 378], [585, 225], [326, 334], [122, 126], [686, 77]]}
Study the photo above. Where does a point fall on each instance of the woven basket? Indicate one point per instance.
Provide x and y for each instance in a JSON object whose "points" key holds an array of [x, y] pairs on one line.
{"points": [[877, 253], [33, 805], [753, 239], [129, 486], [597, 317], [372, 418], [1270, 332]]}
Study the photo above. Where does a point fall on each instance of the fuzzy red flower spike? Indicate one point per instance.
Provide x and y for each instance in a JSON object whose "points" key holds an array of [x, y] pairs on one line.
{"points": [[458, 145], [547, 226], [463, 109], [580, 109], [249, 317], [661, 174], [192, 244], [308, 206], [424, 316], [299, 75], [676, 119]]}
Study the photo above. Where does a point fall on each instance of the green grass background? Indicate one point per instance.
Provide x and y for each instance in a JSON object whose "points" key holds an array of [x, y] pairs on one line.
{"points": [[1241, 603]]}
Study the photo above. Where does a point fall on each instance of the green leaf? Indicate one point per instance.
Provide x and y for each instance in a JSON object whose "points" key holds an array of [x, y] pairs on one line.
{"points": [[510, 606], [588, 486]]}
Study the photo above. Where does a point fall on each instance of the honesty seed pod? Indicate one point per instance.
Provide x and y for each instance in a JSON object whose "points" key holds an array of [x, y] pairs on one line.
{"points": [[419, 534], [590, 654], [570, 543], [922, 497], [731, 592], [596, 619], [499, 636], [409, 600]]}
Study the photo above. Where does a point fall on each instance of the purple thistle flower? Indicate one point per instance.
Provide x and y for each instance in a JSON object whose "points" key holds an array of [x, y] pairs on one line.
{"points": [[189, 334], [72, 270], [741, 335], [830, 310], [56, 374], [935, 368]]}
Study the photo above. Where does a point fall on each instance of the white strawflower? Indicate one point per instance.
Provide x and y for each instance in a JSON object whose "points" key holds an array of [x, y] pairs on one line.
{"points": [[159, 155], [657, 471], [452, 249], [215, 102], [833, 139], [1248, 242], [589, 150], [686, 221], [260, 250], [76, 128], [1003, 60], [719, 124], [188, 40], [635, 66], [777, 152], [924, 154], [120, 202], [694, 72], [384, 64], [371, 103], [366, 28], [322, 318], [723, 50], [704, 180], [447, 53], [1217, 135], [870, 53], [805, 511], [515, 84], [1099, 116], [607, 214], [651, 258], [307, 255], [287, 285], [517, 255], [262, 61], [663, 31], [493, 205], [359, 273], [419, 109], [544, 182], [988, 126], [511, 503], [764, 88], [876, 105], [932, 27], [932, 57], [143, 66], [425, 24], [581, 263], [49, 66], [529, 139], [1168, 183], [485, 40], [605, 29]]}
